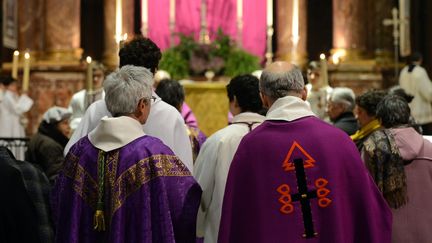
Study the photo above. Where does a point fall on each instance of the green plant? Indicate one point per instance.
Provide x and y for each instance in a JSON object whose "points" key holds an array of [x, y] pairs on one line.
{"points": [[240, 62], [174, 63]]}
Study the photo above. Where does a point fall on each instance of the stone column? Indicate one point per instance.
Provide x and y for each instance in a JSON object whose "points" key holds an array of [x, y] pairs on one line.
{"points": [[110, 54], [289, 48], [350, 28], [31, 26], [62, 34]]}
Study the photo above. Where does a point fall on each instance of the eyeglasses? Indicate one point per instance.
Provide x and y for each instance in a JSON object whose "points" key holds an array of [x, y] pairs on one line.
{"points": [[152, 99]]}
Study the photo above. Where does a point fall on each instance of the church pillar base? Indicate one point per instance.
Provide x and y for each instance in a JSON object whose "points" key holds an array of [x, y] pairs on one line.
{"points": [[295, 58], [72, 55]]}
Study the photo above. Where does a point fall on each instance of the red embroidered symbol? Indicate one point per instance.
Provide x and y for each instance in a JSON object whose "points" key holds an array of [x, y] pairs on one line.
{"points": [[322, 192], [288, 164], [285, 199]]}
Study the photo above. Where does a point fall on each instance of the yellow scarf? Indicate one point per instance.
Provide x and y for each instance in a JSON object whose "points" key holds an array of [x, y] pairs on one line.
{"points": [[366, 130]]}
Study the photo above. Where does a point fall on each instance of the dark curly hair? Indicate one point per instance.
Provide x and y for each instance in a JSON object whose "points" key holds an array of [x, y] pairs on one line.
{"points": [[171, 92], [246, 89], [369, 101], [397, 90], [6, 80], [393, 111], [141, 52]]}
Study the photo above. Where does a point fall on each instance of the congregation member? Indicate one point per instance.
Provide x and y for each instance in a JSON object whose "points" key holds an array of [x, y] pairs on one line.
{"points": [[397, 90], [82, 99], [213, 162], [400, 161], [164, 121], [45, 148], [121, 185], [172, 92], [296, 178], [415, 81], [365, 113], [340, 108]]}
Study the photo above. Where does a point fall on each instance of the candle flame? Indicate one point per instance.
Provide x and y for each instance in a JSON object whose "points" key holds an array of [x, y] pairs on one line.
{"points": [[322, 56], [89, 59], [16, 53], [125, 36], [27, 55]]}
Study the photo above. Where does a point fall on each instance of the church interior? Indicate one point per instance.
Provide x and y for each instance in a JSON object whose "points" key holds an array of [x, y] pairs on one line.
{"points": [[358, 48], [216, 121]]}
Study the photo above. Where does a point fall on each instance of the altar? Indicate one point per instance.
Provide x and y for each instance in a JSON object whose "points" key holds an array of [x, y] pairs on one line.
{"points": [[209, 103]]}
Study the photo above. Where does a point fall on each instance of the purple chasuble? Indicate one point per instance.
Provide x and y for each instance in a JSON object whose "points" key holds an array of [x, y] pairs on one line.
{"points": [[150, 196], [326, 196]]}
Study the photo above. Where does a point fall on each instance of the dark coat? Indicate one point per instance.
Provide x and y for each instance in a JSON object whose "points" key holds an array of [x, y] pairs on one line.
{"points": [[46, 153], [347, 122]]}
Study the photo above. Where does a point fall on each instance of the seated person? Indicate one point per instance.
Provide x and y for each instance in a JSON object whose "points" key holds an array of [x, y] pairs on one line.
{"points": [[340, 108], [400, 161], [45, 148], [172, 92], [84, 98], [121, 185]]}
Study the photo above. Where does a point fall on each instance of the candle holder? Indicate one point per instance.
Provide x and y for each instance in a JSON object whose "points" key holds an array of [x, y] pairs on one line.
{"points": [[269, 53]]}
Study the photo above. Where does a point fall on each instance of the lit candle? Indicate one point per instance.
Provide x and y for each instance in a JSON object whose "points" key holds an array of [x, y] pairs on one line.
{"points": [[172, 11], [269, 12], [324, 70], [119, 23], [26, 76], [144, 17], [123, 40], [295, 20], [89, 76], [239, 10], [15, 64]]}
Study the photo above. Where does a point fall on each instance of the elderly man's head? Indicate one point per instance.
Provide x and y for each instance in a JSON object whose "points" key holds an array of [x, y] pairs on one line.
{"points": [[129, 92], [341, 100], [281, 79]]}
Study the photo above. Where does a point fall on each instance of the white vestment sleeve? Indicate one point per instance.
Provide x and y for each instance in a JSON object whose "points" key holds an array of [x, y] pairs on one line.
{"points": [[425, 86], [204, 173], [90, 120], [23, 104]]}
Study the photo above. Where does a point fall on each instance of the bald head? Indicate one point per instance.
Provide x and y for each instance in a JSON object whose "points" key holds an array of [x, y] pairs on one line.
{"points": [[279, 67], [281, 79]]}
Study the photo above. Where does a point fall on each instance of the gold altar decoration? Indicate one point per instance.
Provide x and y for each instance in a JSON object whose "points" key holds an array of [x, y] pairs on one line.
{"points": [[209, 103]]}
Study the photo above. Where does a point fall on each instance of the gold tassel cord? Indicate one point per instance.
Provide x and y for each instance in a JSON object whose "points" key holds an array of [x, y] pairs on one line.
{"points": [[99, 217], [99, 221]]}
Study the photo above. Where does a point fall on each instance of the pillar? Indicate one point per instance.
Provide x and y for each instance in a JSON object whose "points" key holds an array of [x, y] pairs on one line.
{"points": [[291, 47], [62, 30], [350, 28]]}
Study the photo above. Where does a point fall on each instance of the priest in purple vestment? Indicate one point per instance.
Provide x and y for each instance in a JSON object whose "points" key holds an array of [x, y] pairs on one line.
{"points": [[119, 184], [296, 178]]}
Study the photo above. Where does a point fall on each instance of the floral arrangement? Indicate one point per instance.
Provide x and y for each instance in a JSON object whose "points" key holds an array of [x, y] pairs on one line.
{"points": [[222, 57]]}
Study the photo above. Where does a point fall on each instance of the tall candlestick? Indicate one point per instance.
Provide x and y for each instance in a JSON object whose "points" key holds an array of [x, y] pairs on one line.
{"points": [[119, 21], [144, 17], [204, 36], [26, 76], [15, 64], [172, 20], [269, 12], [324, 70], [89, 76], [240, 21]]}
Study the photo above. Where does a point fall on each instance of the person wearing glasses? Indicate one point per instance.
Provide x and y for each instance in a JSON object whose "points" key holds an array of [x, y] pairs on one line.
{"points": [[164, 121], [120, 184]]}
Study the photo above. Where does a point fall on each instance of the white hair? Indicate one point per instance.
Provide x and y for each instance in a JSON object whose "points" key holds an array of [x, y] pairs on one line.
{"points": [[281, 84], [344, 96], [125, 87]]}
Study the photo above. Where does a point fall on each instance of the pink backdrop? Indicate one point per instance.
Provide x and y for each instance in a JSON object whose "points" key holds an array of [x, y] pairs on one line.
{"points": [[220, 13]]}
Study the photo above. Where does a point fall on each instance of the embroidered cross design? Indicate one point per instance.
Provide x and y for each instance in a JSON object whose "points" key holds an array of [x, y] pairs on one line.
{"points": [[303, 196]]}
